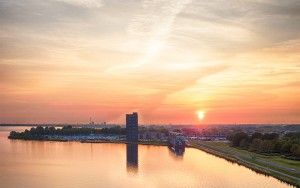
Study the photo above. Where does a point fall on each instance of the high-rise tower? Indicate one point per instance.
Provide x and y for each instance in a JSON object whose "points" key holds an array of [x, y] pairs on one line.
{"points": [[132, 132]]}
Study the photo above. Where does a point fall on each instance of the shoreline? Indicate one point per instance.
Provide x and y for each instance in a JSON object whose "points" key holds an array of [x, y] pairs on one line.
{"points": [[153, 143], [292, 180], [99, 141]]}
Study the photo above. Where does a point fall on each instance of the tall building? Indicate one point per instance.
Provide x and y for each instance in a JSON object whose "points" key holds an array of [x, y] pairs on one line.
{"points": [[132, 132]]}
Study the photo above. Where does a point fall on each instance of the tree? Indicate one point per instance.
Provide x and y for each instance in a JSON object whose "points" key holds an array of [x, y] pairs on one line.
{"points": [[295, 150], [256, 135], [244, 143], [286, 147], [267, 146], [255, 145], [278, 146], [270, 136], [237, 137]]}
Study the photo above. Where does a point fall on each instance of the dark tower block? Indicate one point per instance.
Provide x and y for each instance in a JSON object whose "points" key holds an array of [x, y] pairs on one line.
{"points": [[132, 127]]}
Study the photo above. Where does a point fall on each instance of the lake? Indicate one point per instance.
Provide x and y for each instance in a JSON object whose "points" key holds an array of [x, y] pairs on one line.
{"points": [[44, 164]]}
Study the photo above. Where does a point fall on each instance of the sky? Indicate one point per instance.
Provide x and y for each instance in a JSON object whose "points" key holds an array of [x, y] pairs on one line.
{"points": [[177, 62]]}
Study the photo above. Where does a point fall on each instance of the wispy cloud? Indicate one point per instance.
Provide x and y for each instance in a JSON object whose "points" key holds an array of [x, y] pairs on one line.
{"points": [[84, 3], [149, 29]]}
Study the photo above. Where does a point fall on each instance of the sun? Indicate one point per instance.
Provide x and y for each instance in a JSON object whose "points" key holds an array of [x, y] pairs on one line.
{"points": [[201, 114]]}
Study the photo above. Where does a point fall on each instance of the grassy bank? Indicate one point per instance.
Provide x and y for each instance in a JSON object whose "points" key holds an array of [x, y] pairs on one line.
{"points": [[276, 166]]}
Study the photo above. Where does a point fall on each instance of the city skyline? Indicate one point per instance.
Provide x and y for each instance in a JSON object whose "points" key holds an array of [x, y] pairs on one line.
{"points": [[178, 62]]}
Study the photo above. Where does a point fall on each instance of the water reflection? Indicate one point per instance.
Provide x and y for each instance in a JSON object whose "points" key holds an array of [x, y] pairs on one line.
{"points": [[92, 151], [176, 154], [35, 164], [132, 158]]}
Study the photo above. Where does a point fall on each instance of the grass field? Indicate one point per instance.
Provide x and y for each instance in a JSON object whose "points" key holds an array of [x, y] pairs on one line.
{"points": [[222, 146], [277, 166]]}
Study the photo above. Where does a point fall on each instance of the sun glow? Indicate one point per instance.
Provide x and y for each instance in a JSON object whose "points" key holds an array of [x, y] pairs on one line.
{"points": [[201, 114]]}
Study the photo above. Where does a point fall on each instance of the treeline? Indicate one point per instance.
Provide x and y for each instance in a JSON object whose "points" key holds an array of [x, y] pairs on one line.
{"points": [[269, 143], [158, 129], [40, 132]]}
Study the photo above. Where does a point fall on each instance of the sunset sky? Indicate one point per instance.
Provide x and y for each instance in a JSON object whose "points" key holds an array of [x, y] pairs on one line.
{"points": [[172, 61]]}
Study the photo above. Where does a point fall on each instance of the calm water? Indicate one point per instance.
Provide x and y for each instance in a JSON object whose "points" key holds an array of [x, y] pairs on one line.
{"points": [[34, 164]]}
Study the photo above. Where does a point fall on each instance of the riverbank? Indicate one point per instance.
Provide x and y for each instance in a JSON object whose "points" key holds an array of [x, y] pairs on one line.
{"points": [[282, 169], [85, 139], [155, 143]]}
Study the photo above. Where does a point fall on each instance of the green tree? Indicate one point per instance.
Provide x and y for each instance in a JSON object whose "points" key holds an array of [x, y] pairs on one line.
{"points": [[256, 135], [295, 150], [255, 145], [237, 137]]}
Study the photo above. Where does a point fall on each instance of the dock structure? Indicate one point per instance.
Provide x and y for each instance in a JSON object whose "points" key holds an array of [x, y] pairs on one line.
{"points": [[176, 142]]}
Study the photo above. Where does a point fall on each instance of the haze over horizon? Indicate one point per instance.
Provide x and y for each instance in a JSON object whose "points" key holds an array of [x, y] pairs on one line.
{"points": [[171, 61]]}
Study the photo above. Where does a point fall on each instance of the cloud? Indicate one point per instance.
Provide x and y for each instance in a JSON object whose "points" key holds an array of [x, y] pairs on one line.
{"points": [[149, 30], [151, 55], [84, 3], [238, 26]]}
